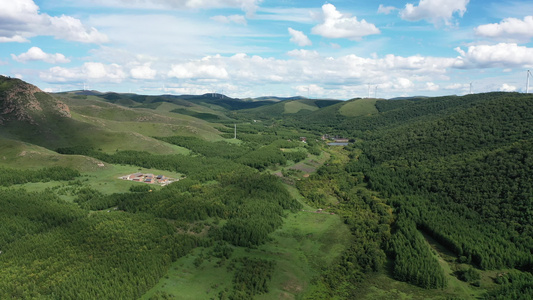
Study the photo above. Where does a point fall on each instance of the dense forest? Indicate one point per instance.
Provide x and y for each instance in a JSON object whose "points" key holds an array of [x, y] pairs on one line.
{"points": [[458, 169]]}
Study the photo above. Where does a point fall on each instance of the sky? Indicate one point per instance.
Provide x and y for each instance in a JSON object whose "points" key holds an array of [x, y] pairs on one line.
{"points": [[250, 48]]}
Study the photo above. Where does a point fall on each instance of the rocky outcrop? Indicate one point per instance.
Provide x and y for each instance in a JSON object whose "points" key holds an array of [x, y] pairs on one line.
{"points": [[22, 101]]}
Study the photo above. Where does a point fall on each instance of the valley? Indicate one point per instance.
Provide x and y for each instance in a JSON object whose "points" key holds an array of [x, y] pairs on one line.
{"points": [[430, 198]]}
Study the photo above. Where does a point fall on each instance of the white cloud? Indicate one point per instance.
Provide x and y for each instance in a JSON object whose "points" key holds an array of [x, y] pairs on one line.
{"points": [[143, 72], [303, 54], [206, 68], [508, 29], [434, 11], [21, 20], [343, 76], [89, 71], [13, 39], [502, 55], [299, 38], [337, 25], [36, 53], [311, 90], [457, 86], [403, 83], [249, 6], [308, 67], [430, 86], [385, 9], [237, 19], [507, 88]]}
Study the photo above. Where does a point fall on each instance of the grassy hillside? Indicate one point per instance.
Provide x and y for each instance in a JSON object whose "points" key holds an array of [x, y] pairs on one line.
{"points": [[21, 155], [359, 107], [292, 107], [39, 118], [144, 121]]}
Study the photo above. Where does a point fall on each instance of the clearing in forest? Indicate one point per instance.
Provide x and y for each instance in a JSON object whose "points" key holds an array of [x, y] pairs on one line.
{"points": [[359, 107]]}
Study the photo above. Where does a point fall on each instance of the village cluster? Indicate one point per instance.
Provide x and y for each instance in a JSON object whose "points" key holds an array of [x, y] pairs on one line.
{"points": [[149, 178]]}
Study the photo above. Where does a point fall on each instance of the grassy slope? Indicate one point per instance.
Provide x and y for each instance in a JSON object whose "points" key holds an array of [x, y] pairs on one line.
{"points": [[20, 155], [306, 243], [292, 107], [56, 132], [144, 121], [359, 107]]}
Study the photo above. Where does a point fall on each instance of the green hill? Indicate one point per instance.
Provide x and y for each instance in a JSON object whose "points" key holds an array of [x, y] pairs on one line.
{"points": [[359, 107], [39, 118], [287, 108]]}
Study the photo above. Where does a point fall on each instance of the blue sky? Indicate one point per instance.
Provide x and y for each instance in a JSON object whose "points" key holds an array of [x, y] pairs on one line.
{"points": [[248, 48]]}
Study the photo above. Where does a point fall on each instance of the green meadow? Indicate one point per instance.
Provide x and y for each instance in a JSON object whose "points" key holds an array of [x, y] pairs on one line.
{"points": [[306, 243]]}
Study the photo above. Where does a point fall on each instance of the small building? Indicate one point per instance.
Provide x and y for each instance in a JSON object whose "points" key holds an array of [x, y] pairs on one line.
{"points": [[341, 140], [135, 175]]}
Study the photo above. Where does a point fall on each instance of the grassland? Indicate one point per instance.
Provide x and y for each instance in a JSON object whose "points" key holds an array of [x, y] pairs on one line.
{"points": [[149, 122], [292, 107], [20, 155], [105, 179], [306, 243], [359, 107]]}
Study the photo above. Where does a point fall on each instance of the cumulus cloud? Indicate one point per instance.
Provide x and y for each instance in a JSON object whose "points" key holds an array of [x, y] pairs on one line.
{"points": [[507, 88], [337, 25], [206, 68], [89, 71], [299, 38], [502, 55], [385, 9], [237, 19], [508, 29], [21, 20], [308, 67], [304, 54], [403, 83], [13, 39], [37, 54], [434, 11], [430, 86], [143, 72], [339, 76]]}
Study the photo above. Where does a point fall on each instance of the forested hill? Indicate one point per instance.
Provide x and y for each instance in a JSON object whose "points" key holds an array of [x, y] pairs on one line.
{"points": [[393, 113], [459, 169], [218, 101]]}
